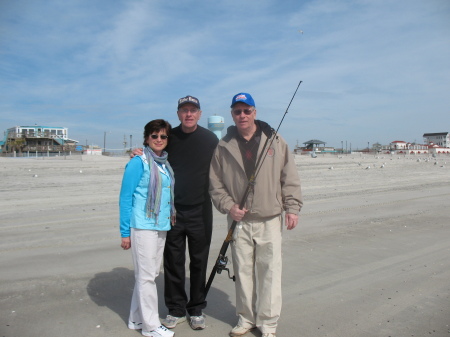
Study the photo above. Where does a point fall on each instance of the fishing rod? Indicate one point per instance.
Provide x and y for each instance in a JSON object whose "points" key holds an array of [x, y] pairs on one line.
{"points": [[222, 260]]}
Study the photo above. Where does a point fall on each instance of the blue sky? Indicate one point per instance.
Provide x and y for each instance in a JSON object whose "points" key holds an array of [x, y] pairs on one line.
{"points": [[372, 71]]}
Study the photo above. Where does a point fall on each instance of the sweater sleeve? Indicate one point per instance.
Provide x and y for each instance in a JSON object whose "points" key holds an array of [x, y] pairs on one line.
{"points": [[131, 177]]}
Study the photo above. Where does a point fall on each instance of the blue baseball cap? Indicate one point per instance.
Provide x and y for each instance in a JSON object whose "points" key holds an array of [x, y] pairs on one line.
{"points": [[243, 98]]}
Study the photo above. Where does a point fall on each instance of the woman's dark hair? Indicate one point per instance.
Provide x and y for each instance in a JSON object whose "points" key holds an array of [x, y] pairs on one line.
{"points": [[156, 125]]}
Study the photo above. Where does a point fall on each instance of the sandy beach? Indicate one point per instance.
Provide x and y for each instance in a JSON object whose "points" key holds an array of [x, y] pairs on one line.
{"points": [[370, 257]]}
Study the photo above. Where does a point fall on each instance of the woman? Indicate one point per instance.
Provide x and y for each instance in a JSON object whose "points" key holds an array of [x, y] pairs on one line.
{"points": [[146, 214]]}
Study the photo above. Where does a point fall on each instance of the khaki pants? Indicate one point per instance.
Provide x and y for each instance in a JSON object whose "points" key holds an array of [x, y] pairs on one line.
{"points": [[256, 250]]}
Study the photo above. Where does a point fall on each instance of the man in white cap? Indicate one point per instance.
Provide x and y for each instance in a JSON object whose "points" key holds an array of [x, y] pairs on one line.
{"points": [[189, 149]]}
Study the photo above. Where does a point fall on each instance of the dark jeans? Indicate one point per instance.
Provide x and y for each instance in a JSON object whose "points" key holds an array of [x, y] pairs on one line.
{"points": [[194, 223]]}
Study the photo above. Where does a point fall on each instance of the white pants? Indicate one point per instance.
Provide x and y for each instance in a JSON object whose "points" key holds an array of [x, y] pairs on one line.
{"points": [[147, 248], [256, 253]]}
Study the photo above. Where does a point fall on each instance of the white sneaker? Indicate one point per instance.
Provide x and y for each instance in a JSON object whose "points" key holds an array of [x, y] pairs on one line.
{"points": [[134, 326], [160, 331], [239, 330]]}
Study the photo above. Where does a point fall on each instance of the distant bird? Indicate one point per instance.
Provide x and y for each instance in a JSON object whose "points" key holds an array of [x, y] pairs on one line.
{"points": [[368, 167], [35, 176], [382, 166], [300, 31], [331, 167]]}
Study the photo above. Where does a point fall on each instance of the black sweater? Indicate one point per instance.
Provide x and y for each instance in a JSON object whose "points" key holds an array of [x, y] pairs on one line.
{"points": [[190, 155]]}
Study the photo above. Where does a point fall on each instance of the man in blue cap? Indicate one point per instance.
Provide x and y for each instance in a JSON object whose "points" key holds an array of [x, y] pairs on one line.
{"points": [[256, 246]]}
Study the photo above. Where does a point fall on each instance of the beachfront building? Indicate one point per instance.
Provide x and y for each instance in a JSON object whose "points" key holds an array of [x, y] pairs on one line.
{"points": [[398, 145], [313, 145], [442, 139], [436, 149], [401, 147], [37, 139]]}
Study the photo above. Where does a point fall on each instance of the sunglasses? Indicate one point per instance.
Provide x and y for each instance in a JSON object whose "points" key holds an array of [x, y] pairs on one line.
{"points": [[159, 136], [246, 111], [193, 110]]}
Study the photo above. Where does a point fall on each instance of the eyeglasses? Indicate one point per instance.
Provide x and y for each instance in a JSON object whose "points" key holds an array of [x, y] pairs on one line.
{"points": [[194, 110], [159, 136], [246, 111]]}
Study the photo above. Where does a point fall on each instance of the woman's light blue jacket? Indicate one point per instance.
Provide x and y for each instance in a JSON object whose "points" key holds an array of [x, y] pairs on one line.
{"points": [[133, 198]]}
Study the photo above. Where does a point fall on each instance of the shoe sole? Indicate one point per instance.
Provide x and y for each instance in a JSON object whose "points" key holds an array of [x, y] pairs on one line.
{"points": [[198, 328], [153, 335], [156, 334]]}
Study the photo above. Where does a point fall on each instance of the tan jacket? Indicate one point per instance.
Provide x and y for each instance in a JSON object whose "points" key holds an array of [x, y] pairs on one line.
{"points": [[277, 185]]}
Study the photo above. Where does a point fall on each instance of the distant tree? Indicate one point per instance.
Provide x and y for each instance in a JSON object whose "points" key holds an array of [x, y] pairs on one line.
{"points": [[15, 144]]}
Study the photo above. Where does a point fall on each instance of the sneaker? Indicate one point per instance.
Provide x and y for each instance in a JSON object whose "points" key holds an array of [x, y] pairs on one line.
{"points": [[134, 326], [270, 334], [160, 331], [197, 322], [240, 330], [172, 321]]}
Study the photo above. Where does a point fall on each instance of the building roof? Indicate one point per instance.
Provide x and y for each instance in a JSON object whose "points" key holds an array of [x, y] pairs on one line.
{"points": [[435, 134], [314, 141]]}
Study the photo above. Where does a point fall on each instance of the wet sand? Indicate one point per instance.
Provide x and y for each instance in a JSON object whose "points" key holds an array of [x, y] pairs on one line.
{"points": [[370, 257]]}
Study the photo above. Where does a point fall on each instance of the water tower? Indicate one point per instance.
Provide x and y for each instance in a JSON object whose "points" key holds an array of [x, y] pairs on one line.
{"points": [[216, 125]]}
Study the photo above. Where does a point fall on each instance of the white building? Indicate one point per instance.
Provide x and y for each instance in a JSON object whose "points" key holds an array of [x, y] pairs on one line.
{"points": [[441, 139], [37, 138], [401, 147]]}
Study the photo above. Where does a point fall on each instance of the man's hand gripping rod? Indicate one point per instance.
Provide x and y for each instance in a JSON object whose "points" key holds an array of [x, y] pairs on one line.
{"points": [[222, 260]]}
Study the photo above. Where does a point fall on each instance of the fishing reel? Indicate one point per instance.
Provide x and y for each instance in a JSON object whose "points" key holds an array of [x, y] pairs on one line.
{"points": [[221, 264]]}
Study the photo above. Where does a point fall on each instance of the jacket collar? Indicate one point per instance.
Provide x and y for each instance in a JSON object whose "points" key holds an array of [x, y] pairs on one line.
{"points": [[232, 130]]}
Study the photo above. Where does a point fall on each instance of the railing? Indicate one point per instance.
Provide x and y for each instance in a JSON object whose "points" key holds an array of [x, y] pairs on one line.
{"points": [[43, 134]]}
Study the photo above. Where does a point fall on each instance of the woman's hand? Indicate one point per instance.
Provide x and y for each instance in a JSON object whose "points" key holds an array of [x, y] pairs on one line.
{"points": [[126, 243]]}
